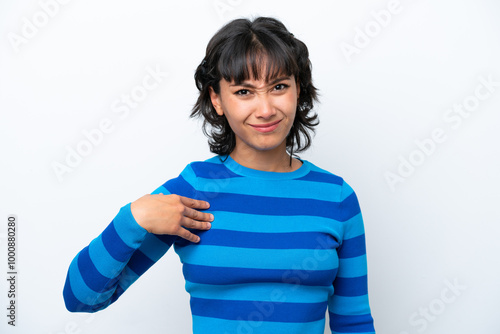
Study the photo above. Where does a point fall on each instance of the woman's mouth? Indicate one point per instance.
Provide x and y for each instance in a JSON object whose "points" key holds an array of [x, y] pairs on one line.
{"points": [[267, 127]]}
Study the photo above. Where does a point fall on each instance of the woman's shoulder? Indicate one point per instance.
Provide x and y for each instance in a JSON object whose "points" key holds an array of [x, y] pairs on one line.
{"points": [[323, 174], [212, 167]]}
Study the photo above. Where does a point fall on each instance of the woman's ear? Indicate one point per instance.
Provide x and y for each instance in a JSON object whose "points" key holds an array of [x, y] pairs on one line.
{"points": [[216, 102]]}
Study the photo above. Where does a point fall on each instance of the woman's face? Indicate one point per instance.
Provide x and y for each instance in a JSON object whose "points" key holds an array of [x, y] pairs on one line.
{"points": [[260, 113]]}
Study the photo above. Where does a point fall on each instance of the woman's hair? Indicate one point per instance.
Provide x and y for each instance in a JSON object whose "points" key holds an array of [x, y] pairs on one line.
{"points": [[239, 50]]}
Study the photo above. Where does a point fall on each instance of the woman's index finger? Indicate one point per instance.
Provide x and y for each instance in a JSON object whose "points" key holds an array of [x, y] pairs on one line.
{"points": [[194, 203]]}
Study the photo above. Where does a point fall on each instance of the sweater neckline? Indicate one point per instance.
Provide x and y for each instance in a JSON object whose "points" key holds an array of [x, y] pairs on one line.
{"points": [[235, 167]]}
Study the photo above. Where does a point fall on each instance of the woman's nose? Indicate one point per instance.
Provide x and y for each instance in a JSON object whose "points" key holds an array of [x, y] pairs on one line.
{"points": [[265, 107]]}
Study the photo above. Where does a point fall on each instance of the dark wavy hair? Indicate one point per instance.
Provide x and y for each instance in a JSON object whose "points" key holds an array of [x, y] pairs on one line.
{"points": [[237, 51]]}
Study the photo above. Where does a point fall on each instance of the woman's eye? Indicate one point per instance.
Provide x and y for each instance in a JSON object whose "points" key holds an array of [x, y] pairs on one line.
{"points": [[280, 86], [242, 92]]}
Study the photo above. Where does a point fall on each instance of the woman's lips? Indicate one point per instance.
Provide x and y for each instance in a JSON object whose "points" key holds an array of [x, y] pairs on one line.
{"points": [[268, 127]]}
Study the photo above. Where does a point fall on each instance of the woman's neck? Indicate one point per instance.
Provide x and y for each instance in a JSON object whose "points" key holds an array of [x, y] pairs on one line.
{"points": [[274, 160]]}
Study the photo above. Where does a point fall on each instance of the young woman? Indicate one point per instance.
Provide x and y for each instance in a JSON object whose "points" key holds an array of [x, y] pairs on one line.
{"points": [[268, 242]]}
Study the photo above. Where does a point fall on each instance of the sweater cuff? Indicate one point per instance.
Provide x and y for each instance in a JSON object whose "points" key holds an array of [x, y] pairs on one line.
{"points": [[128, 229]]}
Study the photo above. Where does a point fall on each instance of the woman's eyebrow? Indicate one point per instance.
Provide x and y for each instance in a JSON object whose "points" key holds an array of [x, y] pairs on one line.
{"points": [[245, 84]]}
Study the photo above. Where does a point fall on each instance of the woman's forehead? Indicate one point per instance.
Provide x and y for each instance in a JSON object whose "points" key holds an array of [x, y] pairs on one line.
{"points": [[256, 67], [261, 81]]}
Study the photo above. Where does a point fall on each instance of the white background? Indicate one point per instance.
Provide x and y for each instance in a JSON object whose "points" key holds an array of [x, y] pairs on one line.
{"points": [[439, 224]]}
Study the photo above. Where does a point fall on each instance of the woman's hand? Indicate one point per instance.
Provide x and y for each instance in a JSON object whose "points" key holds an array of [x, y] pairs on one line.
{"points": [[170, 214]]}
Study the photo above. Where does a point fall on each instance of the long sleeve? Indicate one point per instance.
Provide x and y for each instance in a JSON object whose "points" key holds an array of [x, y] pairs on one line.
{"points": [[283, 249], [348, 307], [104, 269]]}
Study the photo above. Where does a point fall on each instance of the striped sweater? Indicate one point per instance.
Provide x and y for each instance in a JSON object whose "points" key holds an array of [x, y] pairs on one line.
{"points": [[283, 249]]}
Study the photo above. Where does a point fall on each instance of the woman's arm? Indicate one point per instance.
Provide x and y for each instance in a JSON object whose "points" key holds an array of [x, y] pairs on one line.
{"points": [[103, 270], [349, 309]]}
